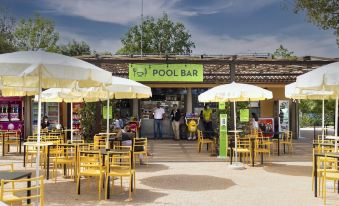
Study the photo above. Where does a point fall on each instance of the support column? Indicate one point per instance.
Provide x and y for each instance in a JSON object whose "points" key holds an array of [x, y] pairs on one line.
{"points": [[27, 116], [294, 118], [135, 108], [232, 79], [189, 101]]}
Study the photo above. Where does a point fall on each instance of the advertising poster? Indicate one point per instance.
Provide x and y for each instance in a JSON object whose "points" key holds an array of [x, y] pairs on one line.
{"points": [[284, 122], [104, 112], [223, 139], [244, 115], [266, 125]]}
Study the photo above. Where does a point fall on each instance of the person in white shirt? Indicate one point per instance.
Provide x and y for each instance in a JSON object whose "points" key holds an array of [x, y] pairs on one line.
{"points": [[158, 113]]}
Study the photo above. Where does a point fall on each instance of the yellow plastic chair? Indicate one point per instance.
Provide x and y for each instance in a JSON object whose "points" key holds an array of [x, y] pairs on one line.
{"points": [[90, 165], [66, 157], [330, 174], [99, 142], [10, 195], [140, 148], [261, 148], [288, 141], [201, 141], [13, 138], [76, 141], [244, 148], [120, 165]]}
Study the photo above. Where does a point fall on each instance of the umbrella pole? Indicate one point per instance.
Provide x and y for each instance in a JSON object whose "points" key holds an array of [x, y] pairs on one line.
{"points": [[37, 163], [336, 124], [71, 121], [235, 131], [107, 123], [323, 123]]}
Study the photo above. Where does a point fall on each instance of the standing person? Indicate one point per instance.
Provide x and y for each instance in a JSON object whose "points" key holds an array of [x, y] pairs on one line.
{"points": [[254, 122], [175, 119], [45, 123], [207, 120], [158, 113]]}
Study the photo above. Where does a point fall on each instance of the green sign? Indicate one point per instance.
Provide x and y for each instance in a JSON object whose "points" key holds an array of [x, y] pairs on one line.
{"points": [[166, 72], [223, 139], [222, 105], [104, 112], [244, 115]]}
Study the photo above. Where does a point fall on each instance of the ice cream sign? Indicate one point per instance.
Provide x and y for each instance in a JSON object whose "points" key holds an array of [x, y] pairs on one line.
{"points": [[166, 72]]}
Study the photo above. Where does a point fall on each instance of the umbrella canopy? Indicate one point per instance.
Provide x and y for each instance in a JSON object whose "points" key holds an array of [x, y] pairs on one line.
{"points": [[235, 92], [22, 69], [120, 88], [292, 92], [29, 70], [323, 78]]}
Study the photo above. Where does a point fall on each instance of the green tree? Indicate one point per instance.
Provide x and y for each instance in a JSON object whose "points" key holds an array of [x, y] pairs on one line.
{"points": [[311, 112], [87, 114], [36, 33], [322, 13], [161, 36], [283, 53], [7, 23], [75, 48]]}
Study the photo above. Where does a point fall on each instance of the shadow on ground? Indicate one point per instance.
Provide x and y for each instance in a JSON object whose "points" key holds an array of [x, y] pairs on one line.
{"points": [[188, 182], [292, 170], [89, 196]]}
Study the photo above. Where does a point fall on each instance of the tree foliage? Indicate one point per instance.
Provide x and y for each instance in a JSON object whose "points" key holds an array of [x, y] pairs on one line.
{"points": [[283, 53], [7, 23], [87, 114], [36, 33], [75, 48], [322, 13], [161, 36], [311, 112]]}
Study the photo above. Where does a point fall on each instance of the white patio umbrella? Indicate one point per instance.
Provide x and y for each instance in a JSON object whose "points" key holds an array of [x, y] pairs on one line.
{"points": [[323, 78], [29, 70], [120, 88], [292, 92], [235, 92]]}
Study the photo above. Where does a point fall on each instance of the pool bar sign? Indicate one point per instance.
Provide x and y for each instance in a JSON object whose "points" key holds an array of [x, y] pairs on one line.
{"points": [[166, 72]]}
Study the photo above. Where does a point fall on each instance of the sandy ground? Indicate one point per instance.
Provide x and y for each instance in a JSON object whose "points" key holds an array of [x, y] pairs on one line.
{"points": [[175, 176]]}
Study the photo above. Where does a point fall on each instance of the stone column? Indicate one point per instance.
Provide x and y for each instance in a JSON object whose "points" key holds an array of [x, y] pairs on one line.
{"points": [[189, 101], [135, 108]]}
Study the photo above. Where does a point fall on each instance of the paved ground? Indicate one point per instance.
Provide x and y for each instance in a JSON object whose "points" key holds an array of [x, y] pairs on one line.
{"points": [[178, 175]]}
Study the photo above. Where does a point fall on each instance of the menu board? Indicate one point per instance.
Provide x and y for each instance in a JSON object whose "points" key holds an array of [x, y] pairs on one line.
{"points": [[284, 123]]}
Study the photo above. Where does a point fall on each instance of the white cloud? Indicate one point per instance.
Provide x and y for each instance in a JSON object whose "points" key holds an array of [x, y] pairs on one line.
{"points": [[128, 11], [112, 11], [213, 44], [95, 42]]}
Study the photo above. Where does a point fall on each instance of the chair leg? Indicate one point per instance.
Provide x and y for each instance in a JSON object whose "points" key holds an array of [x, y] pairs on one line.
{"points": [[100, 186], [121, 184], [130, 189]]}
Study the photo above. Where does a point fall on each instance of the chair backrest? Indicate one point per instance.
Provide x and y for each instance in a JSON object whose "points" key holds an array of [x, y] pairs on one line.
{"points": [[75, 141], [200, 135], [89, 160], [120, 160], [54, 139], [99, 141], [288, 136], [140, 144], [8, 167], [244, 142], [127, 148], [19, 187]]}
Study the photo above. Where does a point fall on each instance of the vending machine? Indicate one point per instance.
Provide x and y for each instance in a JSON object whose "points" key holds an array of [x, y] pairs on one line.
{"points": [[11, 113]]}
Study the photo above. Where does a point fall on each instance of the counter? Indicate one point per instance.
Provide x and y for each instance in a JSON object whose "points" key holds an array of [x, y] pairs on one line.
{"points": [[147, 129]]}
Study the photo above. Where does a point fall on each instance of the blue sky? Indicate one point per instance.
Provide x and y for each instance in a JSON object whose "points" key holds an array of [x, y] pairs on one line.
{"points": [[217, 26]]}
